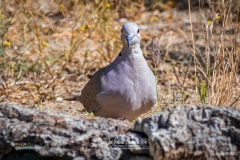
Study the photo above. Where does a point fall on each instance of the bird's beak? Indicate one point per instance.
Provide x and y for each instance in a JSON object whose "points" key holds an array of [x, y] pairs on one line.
{"points": [[129, 39]]}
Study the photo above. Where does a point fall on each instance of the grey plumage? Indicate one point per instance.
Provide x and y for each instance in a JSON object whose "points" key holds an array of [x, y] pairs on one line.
{"points": [[125, 88]]}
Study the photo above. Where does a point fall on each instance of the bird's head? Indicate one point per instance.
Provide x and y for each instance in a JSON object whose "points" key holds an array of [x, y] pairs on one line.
{"points": [[130, 34]]}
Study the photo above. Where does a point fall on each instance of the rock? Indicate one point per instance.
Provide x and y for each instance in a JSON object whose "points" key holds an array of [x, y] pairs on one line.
{"points": [[193, 132]]}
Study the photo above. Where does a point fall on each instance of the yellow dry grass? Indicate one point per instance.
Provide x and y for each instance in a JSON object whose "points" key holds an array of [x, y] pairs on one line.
{"points": [[47, 49]]}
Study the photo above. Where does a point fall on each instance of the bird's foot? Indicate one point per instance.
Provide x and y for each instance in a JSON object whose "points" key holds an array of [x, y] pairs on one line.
{"points": [[122, 119]]}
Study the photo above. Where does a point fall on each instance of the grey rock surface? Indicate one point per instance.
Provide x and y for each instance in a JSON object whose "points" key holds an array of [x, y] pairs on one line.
{"points": [[187, 132], [193, 133]]}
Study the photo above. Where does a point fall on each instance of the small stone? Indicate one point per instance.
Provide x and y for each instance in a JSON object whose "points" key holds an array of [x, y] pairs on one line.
{"points": [[59, 99]]}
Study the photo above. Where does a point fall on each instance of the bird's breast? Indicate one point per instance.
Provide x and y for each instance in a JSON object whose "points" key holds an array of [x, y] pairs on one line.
{"points": [[127, 83]]}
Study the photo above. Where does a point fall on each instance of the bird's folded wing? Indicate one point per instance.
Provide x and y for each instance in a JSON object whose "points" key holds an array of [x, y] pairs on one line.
{"points": [[90, 92]]}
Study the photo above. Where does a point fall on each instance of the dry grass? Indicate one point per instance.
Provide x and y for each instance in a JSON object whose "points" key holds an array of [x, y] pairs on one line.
{"points": [[219, 83], [41, 40], [47, 48]]}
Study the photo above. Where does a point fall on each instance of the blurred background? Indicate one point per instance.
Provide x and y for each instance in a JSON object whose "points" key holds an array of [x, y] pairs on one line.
{"points": [[49, 47]]}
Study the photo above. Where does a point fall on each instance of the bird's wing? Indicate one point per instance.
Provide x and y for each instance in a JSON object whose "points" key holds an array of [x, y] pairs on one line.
{"points": [[90, 91]]}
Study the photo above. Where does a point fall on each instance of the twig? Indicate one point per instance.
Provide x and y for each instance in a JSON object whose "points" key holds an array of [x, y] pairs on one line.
{"points": [[237, 99], [193, 45]]}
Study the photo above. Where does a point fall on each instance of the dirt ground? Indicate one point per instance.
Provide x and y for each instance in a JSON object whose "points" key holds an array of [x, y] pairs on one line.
{"points": [[46, 88]]}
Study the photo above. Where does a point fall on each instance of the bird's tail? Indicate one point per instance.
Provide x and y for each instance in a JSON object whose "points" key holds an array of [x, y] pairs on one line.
{"points": [[75, 98]]}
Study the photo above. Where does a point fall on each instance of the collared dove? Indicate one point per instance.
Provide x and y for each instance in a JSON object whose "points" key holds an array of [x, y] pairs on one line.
{"points": [[126, 88]]}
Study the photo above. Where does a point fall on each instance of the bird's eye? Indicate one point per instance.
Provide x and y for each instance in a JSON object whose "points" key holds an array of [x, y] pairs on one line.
{"points": [[138, 31]]}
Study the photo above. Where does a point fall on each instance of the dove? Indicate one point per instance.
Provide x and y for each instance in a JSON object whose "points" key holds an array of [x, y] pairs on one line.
{"points": [[126, 88]]}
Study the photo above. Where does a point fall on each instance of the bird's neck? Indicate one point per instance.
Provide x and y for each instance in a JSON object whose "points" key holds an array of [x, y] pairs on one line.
{"points": [[135, 49]]}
